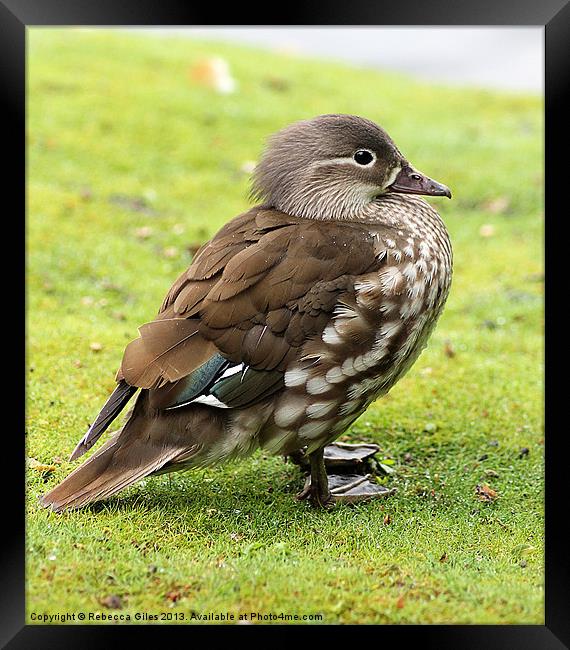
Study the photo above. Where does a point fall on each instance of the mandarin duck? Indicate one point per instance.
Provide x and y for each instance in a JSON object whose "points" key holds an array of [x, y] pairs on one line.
{"points": [[289, 322]]}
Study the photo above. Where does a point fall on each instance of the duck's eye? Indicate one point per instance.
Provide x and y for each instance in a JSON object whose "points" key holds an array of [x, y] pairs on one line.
{"points": [[363, 157]]}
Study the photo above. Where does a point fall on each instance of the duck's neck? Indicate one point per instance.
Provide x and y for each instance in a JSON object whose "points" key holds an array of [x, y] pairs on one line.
{"points": [[404, 211], [329, 202], [360, 204]]}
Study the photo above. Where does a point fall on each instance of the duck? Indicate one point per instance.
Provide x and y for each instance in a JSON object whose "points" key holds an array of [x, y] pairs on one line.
{"points": [[288, 324]]}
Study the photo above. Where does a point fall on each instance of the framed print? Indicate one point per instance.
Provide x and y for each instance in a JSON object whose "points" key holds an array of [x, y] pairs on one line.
{"points": [[309, 206]]}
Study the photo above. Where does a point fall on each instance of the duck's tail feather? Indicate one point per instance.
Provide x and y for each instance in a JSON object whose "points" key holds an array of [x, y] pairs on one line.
{"points": [[112, 407], [138, 449]]}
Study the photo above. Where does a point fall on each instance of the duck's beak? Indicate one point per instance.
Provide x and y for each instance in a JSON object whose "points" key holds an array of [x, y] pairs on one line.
{"points": [[410, 181]]}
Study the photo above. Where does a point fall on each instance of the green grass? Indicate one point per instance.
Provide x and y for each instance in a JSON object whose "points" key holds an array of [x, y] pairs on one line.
{"points": [[120, 138]]}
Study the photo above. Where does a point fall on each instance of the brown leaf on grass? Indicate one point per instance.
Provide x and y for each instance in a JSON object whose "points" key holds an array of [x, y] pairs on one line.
{"points": [[277, 83], [498, 205], [170, 252], [47, 573], [443, 558], [448, 349], [86, 194], [400, 602], [485, 493], [143, 233], [132, 203], [214, 73], [177, 593], [173, 596], [40, 467], [112, 602], [487, 230], [108, 285]]}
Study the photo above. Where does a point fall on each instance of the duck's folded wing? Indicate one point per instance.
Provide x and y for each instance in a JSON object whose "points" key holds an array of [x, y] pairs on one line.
{"points": [[253, 296]]}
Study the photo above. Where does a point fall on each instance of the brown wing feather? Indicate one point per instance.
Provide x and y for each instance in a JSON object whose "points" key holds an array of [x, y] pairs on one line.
{"points": [[264, 285], [307, 266], [166, 351]]}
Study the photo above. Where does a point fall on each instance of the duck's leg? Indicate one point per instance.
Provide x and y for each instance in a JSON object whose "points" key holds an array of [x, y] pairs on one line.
{"points": [[343, 484], [317, 485]]}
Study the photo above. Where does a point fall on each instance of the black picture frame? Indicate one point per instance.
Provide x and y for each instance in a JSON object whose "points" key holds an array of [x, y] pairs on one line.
{"points": [[554, 16]]}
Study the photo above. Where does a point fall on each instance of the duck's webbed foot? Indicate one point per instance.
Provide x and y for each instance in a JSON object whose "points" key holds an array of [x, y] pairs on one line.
{"points": [[338, 455], [343, 484], [347, 456], [355, 488]]}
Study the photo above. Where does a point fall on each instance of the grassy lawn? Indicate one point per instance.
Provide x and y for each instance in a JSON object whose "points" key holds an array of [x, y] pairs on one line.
{"points": [[131, 164]]}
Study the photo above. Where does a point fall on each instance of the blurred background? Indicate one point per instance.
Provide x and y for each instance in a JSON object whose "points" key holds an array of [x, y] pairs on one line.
{"points": [[495, 57]]}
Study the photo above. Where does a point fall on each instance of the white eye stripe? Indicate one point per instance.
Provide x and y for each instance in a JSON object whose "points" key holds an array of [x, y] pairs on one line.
{"points": [[347, 159]]}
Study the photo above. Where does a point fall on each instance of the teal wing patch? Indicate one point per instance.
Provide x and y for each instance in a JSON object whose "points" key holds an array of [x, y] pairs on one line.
{"points": [[218, 382]]}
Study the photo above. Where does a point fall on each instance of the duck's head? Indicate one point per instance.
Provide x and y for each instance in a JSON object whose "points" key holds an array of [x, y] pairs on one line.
{"points": [[333, 166]]}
